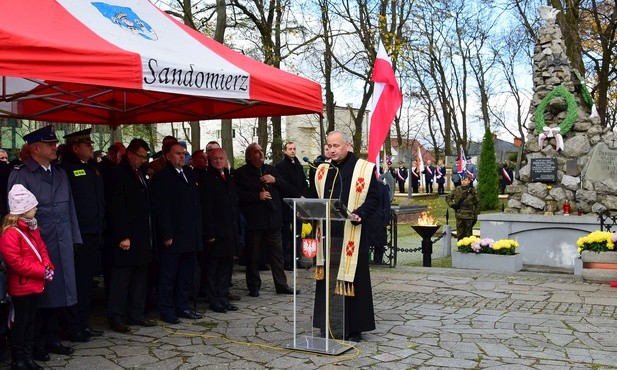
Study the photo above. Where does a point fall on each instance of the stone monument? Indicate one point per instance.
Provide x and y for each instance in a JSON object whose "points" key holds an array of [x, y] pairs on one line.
{"points": [[569, 156]]}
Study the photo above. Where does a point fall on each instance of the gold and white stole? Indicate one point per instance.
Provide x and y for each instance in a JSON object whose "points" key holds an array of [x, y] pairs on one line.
{"points": [[321, 175], [361, 179]]}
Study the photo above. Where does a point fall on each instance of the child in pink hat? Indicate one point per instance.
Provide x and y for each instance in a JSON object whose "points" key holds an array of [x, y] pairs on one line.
{"points": [[28, 269]]}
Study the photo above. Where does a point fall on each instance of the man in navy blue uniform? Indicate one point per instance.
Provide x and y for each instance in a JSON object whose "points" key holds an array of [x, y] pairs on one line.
{"points": [[57, 221]]}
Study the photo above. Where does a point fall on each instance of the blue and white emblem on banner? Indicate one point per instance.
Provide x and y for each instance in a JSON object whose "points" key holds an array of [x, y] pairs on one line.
{"points": [[126, 19]]}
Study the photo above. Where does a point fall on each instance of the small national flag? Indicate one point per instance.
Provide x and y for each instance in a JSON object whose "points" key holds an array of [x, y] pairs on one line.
{"points": [[462, 163], [420, 161]]}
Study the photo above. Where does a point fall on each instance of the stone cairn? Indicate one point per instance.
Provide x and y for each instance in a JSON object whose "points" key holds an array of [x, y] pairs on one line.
{"points": [[551, 68]]}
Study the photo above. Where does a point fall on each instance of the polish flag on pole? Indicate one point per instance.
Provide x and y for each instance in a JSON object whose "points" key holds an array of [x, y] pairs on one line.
{"points": [[420, 161], [387, 99], [462, 163]]}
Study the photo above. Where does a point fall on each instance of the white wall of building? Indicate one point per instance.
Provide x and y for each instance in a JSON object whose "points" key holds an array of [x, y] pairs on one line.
{"points": [[303, 130]]}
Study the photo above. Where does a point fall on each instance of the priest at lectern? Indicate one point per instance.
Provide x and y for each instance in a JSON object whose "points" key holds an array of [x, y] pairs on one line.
{"points": [[350, 180]]}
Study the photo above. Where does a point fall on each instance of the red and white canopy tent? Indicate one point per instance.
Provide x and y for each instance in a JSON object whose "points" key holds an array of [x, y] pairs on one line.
{"points": [[121, 62]]}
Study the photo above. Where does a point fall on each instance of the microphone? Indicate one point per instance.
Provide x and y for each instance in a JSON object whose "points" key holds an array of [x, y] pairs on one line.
{"points": [[305, 159]]}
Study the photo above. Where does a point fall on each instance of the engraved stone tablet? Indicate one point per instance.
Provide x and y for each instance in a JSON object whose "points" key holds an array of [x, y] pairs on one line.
{"points": [[543, 169], [602, 165], [572, 167]]}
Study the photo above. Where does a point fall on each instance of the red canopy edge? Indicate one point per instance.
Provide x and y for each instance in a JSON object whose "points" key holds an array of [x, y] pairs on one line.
{"points": [[36, 44]]}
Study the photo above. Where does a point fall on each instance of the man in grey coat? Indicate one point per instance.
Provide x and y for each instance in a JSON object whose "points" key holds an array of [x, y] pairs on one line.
{"points": [[57, 221]]}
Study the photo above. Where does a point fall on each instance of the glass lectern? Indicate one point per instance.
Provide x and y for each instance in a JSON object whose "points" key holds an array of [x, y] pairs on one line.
{"points": [[319, 322]]}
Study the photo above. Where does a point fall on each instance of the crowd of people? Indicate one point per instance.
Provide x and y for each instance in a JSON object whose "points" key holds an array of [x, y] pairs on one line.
{"points": [[150, 228]]}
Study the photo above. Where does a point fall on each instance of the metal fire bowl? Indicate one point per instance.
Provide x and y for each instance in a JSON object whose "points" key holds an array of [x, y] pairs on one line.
{"points": [[426, 231]]}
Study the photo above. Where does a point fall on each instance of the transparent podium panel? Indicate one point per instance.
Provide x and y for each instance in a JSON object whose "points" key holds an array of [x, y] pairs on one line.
{"points": [[319, 315]]}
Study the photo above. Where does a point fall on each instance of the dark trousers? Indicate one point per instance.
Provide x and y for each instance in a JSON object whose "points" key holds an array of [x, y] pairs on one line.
{"points": [[441, 189], [109, 243], [127, 292], [415, 186], [219, 272], [24, 328], [202, 259], [48, 325], [429, 186], [175, 279], [270, 241], [87, 261], [401, 186]]}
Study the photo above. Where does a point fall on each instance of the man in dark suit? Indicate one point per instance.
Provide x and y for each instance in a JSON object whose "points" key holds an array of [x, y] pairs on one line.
{"points": [[429, 175], [132, 223], [401, 176], [108, 166], [260, 202], [219, 200], [87, 188], [290, 169], [179, 222]]}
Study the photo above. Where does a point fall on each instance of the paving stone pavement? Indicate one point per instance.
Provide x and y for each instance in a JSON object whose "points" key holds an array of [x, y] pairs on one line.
{"points": [[427, 318]]}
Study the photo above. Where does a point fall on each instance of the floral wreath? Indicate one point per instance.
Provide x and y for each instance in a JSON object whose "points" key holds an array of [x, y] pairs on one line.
{"points": [[571, 113], [587, 98]]}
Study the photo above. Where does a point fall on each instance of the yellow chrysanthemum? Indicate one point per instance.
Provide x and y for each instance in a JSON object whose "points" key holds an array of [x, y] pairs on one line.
{"points": [[467, 241], [306, 229], [596, 241]]}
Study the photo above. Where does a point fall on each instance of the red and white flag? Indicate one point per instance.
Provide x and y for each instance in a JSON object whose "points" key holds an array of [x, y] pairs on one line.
{"points": [[420, 161], [387, 99]]}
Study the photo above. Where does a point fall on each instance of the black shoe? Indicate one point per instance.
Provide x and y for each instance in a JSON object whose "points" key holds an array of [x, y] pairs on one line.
{"points": [[93, 332], [59, 349], [230, 307], [218, 308], [354, 336], [171, 320], [233, 297], [254, 293], [288, 267], [188, 314], [118, 326], [41, 354], [287, 290], [143, 323], [78, 336]]}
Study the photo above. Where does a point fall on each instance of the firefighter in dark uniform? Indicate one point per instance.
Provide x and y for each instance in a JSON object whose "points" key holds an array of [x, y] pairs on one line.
{"points": [[466, 204], [86, 184]]}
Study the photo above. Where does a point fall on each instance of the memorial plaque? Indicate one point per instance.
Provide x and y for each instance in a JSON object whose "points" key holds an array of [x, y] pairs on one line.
{"points": [[572, 167], [602, 165], [543, 169]]}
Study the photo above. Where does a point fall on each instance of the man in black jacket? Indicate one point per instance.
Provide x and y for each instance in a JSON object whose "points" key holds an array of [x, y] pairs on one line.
{"points": [[258, 190], [87, 187], [132, 224], [290, 169], [179, 222], [219, 199]]}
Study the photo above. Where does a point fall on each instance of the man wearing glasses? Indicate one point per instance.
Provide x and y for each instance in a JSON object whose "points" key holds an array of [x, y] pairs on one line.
{"points": [[87, 187]]}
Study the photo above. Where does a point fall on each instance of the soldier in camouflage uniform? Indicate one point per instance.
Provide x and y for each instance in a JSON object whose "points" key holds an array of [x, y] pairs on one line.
{"points": [[466, 203]]}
